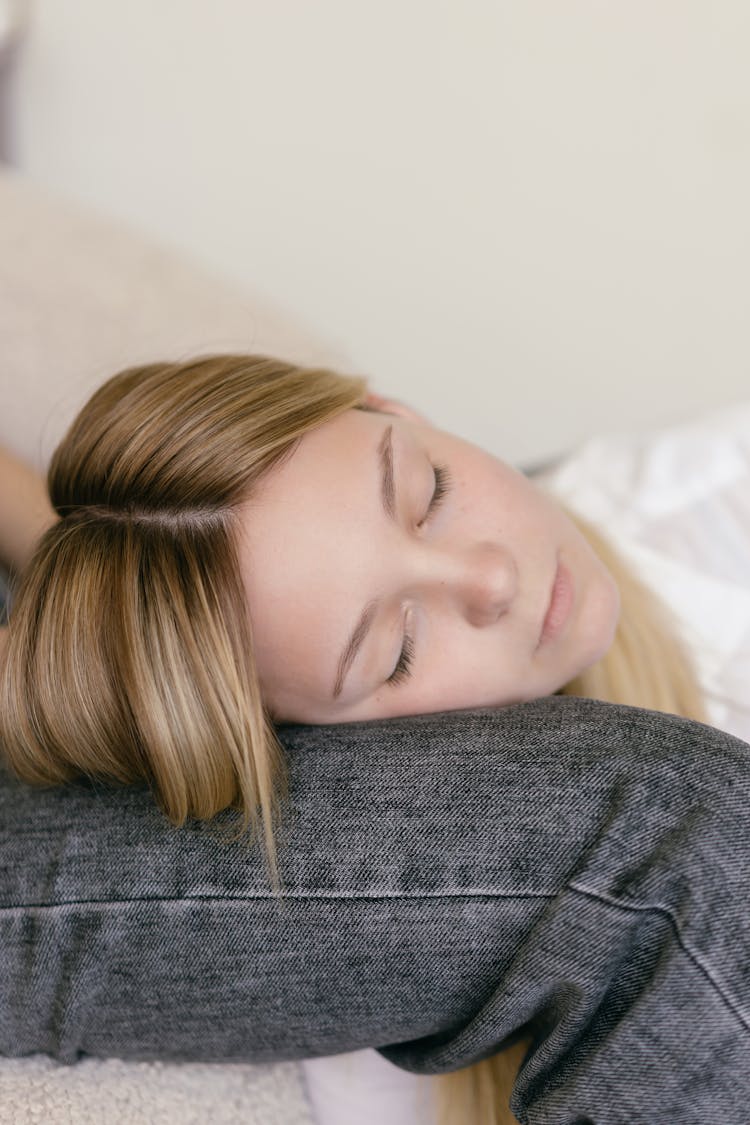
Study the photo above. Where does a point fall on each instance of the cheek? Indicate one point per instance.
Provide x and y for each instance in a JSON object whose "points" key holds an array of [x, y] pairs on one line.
{"points": [[463, 668], [603, 617], [517, 507]]}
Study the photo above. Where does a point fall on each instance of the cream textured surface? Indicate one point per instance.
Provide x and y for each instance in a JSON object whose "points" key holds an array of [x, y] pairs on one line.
{"points": [[81, 297], [38, 1091]]}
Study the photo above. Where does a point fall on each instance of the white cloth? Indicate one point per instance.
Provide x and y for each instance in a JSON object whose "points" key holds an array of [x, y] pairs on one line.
{"points": [[676, 502], [363, 1087]]}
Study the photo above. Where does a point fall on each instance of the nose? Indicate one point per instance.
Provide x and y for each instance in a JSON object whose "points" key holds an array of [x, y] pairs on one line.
{"points": [[481, 577]]}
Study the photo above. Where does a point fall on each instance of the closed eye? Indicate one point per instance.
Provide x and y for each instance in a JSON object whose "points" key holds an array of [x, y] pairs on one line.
{"points": [[443, 484]]}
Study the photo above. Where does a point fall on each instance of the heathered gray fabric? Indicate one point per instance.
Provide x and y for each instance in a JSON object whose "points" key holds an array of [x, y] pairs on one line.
{"points": [[574, 867]]}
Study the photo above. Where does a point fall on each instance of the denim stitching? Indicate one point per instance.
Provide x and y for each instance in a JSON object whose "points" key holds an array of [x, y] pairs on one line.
{"points": [[263, 895]]}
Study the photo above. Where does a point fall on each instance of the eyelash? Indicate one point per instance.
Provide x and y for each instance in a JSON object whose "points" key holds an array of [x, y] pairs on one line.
{"points": [[442, 486], [402, 671], [443, 482]]}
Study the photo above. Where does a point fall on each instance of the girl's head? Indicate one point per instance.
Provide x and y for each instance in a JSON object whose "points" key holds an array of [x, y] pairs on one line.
{"points": [[243, 541]]}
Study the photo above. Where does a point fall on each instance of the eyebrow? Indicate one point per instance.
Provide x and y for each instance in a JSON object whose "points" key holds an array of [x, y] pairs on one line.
{"points": [[388, 500], [387, 489]]}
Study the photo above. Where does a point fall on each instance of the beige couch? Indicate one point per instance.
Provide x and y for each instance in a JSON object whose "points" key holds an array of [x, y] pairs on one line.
{"points": [[79, 298]]}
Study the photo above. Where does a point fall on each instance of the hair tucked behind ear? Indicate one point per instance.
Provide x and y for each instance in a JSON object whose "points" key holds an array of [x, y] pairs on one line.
{"points": [[129, 654]]}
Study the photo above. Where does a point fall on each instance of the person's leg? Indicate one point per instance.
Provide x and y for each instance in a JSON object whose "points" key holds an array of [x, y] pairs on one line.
{"points": [[566, 869]]}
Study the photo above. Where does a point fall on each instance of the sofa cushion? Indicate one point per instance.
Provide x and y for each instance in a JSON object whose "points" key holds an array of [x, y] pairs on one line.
{"points": [[82, 296]]}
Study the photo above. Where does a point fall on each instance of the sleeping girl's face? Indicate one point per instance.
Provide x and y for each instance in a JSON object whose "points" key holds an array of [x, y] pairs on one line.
{"points": [[392, 569]]}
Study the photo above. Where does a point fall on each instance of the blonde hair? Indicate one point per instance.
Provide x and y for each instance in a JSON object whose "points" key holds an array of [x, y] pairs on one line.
{"points": [[129, 655], [130, 651]]}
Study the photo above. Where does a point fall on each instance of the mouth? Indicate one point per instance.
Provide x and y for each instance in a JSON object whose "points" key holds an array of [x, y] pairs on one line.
{"points": [[562, 596]]}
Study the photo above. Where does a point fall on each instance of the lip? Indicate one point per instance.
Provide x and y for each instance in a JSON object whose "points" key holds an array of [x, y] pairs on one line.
{"points": [[562, 596]]}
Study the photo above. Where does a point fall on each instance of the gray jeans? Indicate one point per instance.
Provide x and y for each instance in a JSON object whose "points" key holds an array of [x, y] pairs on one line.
{"points": [[564, 869]]}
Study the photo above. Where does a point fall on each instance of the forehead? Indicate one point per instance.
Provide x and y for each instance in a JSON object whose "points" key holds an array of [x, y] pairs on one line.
{"points": [[309, 523]]}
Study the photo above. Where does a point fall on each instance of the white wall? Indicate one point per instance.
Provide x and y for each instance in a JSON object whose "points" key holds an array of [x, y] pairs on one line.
{"points": [[532, 216]]}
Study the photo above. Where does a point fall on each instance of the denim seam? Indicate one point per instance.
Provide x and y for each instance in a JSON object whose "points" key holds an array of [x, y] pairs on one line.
{"points": [[228, 900], [701, 964]]}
